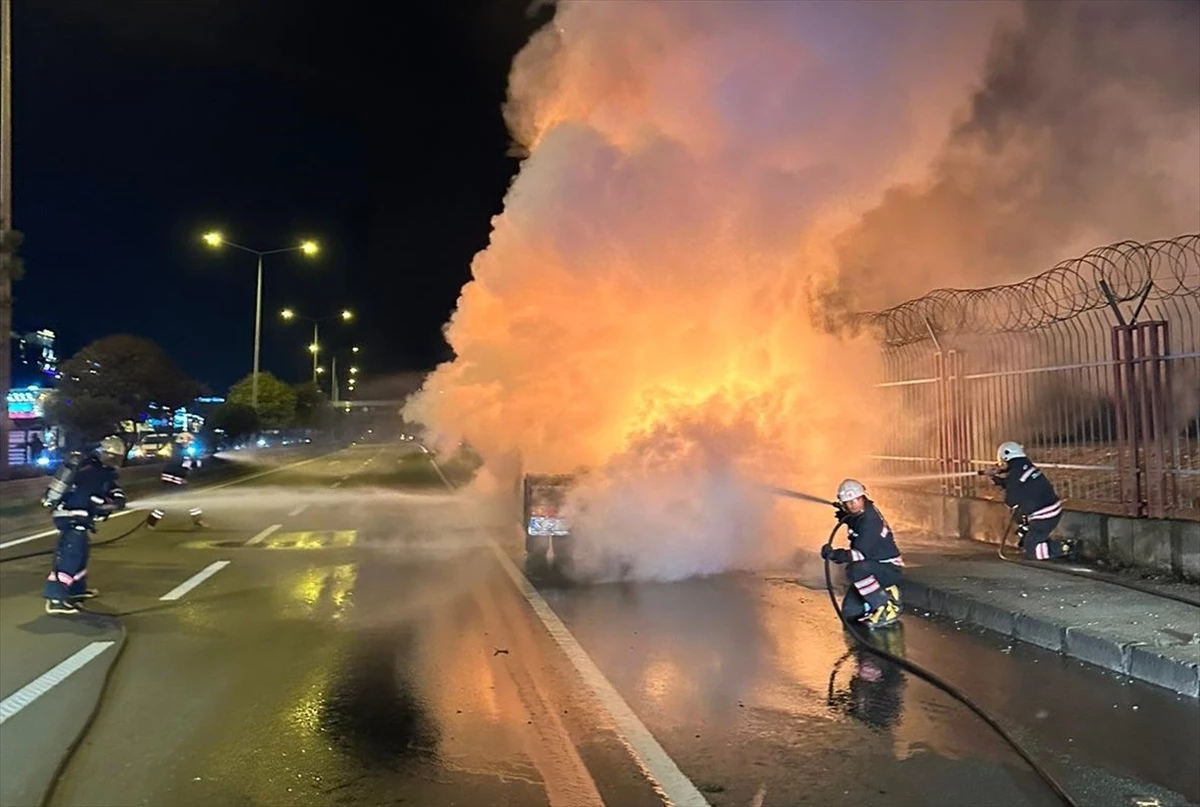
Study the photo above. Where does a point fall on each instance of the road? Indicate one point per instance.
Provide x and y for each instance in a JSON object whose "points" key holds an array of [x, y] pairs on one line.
{"points": [[364, 637]]}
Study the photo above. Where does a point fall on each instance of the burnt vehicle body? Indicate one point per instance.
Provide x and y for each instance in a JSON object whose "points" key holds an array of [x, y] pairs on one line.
{"points": [[548, 540]]}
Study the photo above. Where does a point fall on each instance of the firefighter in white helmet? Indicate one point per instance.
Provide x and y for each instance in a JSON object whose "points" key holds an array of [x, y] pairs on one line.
{"points": [[1030, 494], [873, 563]]}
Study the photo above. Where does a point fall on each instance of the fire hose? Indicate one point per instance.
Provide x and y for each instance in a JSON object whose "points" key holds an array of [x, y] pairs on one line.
{"points": [[105, 542], [937, 681]]}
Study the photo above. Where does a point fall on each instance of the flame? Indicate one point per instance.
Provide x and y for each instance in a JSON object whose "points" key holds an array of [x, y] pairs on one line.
{"points": [[649, 303]]}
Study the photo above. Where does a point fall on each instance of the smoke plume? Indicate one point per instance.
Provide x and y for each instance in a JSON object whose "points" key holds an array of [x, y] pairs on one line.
{"points": [[700, 181]]}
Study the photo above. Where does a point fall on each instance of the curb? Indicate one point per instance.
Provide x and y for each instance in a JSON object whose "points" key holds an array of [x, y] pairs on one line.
{"points": [[1155, 665]]}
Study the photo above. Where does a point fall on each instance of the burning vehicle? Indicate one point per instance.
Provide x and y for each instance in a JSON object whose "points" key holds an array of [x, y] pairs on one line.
{"points": [[548, 542]]}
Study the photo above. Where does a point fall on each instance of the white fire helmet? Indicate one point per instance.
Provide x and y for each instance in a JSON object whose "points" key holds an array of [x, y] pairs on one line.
{"points": [[849, 490], [112, 449], [1009, 450]]}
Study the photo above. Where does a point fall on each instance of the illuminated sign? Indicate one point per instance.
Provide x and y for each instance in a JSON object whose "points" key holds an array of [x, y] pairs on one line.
{"points": [[26, 403]]}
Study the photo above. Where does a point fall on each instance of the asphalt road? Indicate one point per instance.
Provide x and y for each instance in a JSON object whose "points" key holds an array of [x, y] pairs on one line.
{"points": [[364, 637]]}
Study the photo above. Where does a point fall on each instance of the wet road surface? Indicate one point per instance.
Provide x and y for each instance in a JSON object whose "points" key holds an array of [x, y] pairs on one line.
{"points": [[375, 650]]}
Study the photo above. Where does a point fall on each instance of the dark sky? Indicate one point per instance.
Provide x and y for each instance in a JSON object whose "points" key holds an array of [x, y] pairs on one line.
{"points": [[139, 124]]}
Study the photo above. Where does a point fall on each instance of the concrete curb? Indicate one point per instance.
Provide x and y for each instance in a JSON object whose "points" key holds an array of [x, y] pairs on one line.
{"points": [[1163, 666]]}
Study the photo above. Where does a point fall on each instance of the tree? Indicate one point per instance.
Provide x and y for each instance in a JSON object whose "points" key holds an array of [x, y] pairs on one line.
{"points": [[236, 420], [310, 404], [276, 400], [113, 379]]}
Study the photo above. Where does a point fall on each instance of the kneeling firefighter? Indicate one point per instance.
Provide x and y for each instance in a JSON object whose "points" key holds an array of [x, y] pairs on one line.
{"points": [[174, 478], [1029, 493], [83, 490], [873, 562]]}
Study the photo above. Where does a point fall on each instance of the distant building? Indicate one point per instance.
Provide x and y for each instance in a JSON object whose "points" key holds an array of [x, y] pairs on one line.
{"points": [[34, 360]]}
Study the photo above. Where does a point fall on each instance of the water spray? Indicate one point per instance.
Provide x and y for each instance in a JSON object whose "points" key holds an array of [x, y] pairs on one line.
{"points": [[796, 494], [922, 477]]}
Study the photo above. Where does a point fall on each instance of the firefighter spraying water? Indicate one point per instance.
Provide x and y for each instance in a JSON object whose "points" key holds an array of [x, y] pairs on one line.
{"points": [[873, 561], [1033, 500], [174, 479], [83, 490]]}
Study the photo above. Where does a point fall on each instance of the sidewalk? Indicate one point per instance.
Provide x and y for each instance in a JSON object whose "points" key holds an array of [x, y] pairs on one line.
{"points": [[1140, 635]]}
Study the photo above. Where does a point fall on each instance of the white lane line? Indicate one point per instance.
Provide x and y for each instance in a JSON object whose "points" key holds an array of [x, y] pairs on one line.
{"points": [[131, 508], [39, 686], [658, 767], [195, 580], [298, 510], [48, 533], [262, 536], [335, 484]]}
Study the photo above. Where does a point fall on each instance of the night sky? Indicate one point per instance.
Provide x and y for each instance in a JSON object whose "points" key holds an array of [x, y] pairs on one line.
{"points": [[140, 124]]}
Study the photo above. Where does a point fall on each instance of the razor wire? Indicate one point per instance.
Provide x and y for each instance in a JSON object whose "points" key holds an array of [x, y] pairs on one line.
{"points": [[1132, 271]]}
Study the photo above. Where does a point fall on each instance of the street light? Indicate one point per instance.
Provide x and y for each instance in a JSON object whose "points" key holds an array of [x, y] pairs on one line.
{"points": [[289, 314], [215, 240]]}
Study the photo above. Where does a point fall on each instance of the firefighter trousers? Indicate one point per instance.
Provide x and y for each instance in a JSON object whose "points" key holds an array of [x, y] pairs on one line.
{"points": [[68, 575], [1034, 537], [869, 578]]}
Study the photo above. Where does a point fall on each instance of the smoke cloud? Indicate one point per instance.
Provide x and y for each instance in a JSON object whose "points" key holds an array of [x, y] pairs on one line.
{"points": [[702, 180]]}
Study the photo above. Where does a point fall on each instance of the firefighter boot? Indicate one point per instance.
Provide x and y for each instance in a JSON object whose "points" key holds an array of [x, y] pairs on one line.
{"points": [[882, 610], [63, 608], [197, 518], [894, 593], [153, 519]]}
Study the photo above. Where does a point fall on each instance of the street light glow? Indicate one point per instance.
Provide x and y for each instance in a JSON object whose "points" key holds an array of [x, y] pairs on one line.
{"points": [[353, 370], [287, 313], [313, 348], [213, 239], [309, 248], [347, 314], [354, 349], [320, 370]]}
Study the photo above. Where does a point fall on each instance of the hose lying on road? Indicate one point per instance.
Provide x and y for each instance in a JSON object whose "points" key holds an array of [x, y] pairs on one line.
{"points": [[1085, 573], [95, 544], [86, 728], [949, 689]]}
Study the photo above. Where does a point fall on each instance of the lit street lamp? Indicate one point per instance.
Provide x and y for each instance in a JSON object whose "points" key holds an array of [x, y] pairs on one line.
{"points": [[288, 314], [215, 239]]}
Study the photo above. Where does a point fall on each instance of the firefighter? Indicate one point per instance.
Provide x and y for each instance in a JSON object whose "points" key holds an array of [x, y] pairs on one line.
{"points": [[174, 478], [873, 562], [1029, 493], [86, 490]]}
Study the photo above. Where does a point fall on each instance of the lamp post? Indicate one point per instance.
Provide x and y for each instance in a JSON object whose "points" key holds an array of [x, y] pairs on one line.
{"points": [[345, 315], [309, 248]]}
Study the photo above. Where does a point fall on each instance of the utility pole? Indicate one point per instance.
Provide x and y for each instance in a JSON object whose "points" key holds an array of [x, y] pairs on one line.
{"points": [[8, 244]]}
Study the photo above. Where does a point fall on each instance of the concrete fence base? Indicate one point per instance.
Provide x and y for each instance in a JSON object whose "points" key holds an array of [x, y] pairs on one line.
{"points": [[1161, 546]]}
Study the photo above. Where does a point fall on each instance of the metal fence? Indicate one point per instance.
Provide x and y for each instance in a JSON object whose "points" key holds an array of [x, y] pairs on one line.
{"points": [[1094, 365]]}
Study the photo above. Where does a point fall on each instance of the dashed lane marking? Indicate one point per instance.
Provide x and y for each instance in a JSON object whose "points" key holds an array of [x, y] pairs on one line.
{"points": [[258, 539], [298, 510], [133, 508], [195, 580], [39, 686]]}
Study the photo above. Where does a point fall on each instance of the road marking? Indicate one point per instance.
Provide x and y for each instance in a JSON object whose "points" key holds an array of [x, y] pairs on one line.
{"points": [[38, 687], [258, 539], [195, 580], [298, 510], [131, 508], [335, 484], [48, 533], [656, 765]]}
